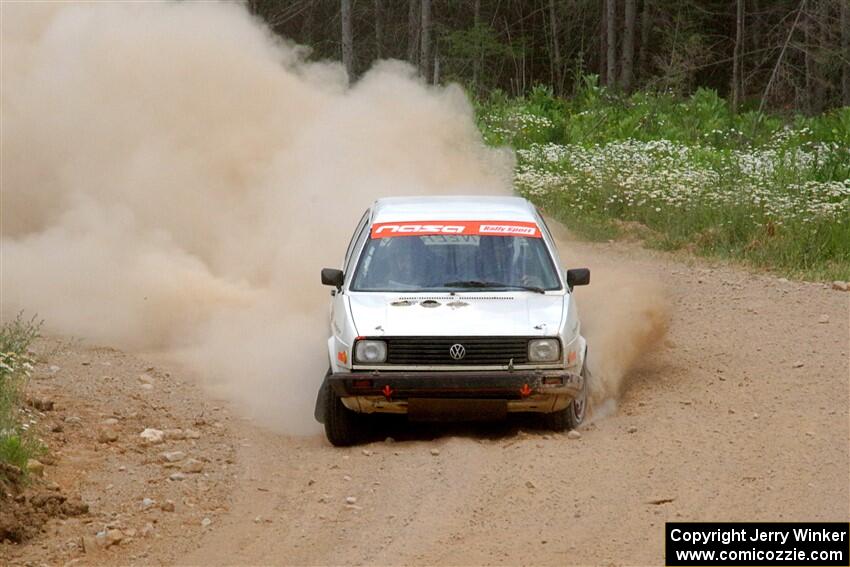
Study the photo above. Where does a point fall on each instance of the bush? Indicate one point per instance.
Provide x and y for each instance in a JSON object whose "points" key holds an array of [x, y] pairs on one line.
{"points": [[18, 442]]}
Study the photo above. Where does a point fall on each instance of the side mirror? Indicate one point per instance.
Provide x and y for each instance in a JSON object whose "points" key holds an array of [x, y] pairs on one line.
{"points": [[332, 276], [578, 276]]}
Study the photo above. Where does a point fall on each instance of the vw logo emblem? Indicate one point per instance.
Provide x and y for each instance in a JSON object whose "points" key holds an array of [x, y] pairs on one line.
{"points": [[457, 351]]}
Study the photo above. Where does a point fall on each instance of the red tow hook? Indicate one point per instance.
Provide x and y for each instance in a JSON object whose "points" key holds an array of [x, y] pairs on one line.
{"points": [[525, 391], [388, 392]]}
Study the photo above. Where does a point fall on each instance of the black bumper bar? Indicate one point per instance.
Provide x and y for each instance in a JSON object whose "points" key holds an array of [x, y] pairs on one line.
{"points": [[479, 384]]}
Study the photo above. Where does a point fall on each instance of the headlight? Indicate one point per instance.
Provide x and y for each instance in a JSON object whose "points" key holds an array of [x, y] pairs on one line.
{"points": [[370, 351], [543, 350]]}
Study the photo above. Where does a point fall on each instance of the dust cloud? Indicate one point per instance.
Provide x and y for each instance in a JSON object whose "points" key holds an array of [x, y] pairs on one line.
{"points": [[624, 315], [174, 177], [623, 319]]}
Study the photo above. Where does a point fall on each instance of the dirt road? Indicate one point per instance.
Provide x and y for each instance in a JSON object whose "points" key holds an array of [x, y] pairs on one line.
{"points": [[741, 414]]}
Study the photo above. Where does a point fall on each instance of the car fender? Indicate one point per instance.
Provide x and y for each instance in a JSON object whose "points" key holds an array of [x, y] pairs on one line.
{"points": [[582, 351], [332, 362]]}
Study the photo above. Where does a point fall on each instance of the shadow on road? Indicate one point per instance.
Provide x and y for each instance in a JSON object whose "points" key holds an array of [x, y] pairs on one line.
{"points": [[379, 427]]}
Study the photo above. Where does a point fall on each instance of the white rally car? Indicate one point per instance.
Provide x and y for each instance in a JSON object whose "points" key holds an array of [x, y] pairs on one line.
{"points": [[452, 307]]}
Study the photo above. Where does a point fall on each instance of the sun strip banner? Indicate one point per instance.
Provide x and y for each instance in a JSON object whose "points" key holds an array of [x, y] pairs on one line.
{"points": [[466, 228]]}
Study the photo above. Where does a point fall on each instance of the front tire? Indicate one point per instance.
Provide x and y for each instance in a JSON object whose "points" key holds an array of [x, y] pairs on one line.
{"points": [[574, 414], [341, 424]]}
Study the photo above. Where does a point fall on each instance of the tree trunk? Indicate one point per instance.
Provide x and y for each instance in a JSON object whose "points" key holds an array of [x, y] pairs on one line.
{"points": [[810, 34], [756, 25], [645, 29], [476, 62], [436, 79], [347, 38], [628, 60], [603, 42], [523, 53], [611, 21], [823, 50], [845, 51], [307, 25], [736, 55], [413, 31], [425, 35], [556, 49], [379, 31]]}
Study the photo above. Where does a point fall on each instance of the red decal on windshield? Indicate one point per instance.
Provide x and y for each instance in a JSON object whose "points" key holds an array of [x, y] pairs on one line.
{"points": [[465, 228]]}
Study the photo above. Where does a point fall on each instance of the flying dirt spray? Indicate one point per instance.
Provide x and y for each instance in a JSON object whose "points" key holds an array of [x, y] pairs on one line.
{"points": [[174, 177]]}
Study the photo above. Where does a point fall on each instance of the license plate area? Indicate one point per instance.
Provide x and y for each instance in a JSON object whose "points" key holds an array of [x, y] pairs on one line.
{"points": [[442, 409]]}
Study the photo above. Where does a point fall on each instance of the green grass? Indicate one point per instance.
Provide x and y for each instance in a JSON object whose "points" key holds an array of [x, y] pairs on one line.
{"points": [[18, 442], [771, 191]]}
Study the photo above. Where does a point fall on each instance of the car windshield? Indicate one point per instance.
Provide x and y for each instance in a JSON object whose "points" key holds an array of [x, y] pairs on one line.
{"points": [[455, 263]]}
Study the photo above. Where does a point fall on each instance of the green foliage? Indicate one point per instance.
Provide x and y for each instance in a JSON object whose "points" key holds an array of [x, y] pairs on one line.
{"points": [[14, 451], [597, 116], [474, 42], [480, 47], [688, 171], [17, 442], [17, 335]]}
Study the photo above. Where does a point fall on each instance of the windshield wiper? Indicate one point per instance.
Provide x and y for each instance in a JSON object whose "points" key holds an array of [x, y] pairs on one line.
{"points": [[480, 284]]}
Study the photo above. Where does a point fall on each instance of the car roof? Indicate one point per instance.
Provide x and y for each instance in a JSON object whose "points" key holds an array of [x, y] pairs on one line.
{"points": [[395, 209]]}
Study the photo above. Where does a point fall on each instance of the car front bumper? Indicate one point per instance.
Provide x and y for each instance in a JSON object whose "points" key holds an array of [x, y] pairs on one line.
{"points": [[456, 392]]}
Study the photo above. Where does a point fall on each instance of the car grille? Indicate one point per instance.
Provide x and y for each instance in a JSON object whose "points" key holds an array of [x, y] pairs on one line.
{"points": [[479, 351]]}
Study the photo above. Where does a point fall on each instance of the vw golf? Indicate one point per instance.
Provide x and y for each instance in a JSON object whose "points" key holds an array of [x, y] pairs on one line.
{"points": [[452, 308]]}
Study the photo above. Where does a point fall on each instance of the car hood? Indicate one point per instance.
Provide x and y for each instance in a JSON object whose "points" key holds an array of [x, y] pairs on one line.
{"points": [[498, 314]]}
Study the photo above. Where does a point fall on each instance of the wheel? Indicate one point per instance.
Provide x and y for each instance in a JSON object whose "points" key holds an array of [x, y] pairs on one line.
{"points": [[341, 424], [573, 415]]}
